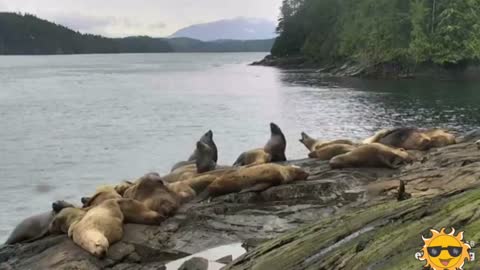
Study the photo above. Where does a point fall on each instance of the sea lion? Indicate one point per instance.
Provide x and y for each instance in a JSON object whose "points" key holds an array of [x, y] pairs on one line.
{"points": [[377, 136], [204, 163], [440, 138], [372, 155], [151, 191], [35, 227], [406, 138], [188, 189], [122, 187], [206, 158], [253, 157], [207, 139], [478, 144], [94, 230], [277, 144], [330, 151], [254, 179], [312, 144], [133, 211]]}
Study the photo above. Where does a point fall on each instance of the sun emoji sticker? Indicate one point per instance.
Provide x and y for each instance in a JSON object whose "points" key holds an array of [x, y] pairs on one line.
{"points": [[445, 251]]}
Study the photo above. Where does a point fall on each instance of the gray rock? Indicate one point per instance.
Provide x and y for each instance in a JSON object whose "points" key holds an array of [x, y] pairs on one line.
{"points": [[195, 264], [225, 260]]}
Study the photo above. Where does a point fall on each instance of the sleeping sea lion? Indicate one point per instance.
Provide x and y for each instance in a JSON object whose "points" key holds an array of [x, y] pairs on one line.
{"points": [[440, 138], [406, 138], [253, 157], [151, 191], [329, 151], [253, 179], [94, 230], [372, 155], [35, 227]]}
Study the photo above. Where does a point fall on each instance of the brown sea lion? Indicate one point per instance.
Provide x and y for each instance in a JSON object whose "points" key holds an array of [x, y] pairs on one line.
{"points": [[151, 191], [330, 151], [312, 144], [254, 178], [406, 138], [372, 155], [35, 227], [93, 230]]}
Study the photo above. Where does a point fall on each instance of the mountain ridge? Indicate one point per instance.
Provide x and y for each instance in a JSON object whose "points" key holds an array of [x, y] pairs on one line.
{"points": [[233, 29]]}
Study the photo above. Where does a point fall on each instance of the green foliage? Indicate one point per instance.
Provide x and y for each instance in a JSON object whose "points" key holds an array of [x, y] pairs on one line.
{"points": [[444, 32]]}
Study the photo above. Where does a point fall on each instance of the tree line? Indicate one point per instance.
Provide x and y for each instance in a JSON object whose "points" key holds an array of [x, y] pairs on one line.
{"points": [[27, 34], [443, 32]]}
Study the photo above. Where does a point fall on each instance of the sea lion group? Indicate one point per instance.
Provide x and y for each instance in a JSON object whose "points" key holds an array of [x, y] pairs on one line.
{"points": [[151, 199]]}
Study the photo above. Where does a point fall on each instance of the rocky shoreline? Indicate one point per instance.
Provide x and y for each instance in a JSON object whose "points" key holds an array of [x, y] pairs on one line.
{"points": [[338, 219], [380, 71]]}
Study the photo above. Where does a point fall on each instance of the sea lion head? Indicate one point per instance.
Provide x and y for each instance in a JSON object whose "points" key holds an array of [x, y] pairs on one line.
{"points": [[296, 173], [99, 247], [207, 139], [275, 129], [122, 187], [60, 205], [64, 219], [206, 158], [307, 141]]}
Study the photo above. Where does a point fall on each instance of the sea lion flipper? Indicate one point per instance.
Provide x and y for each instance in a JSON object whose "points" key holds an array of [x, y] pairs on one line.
{"points": [[257, 188], [240, 161]]}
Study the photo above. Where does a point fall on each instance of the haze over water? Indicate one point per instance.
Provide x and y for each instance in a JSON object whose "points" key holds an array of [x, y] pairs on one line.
{"points": [[71, 123]]}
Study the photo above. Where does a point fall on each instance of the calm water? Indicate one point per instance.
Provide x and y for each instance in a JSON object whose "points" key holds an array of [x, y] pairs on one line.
{"points": [[71, 123]]}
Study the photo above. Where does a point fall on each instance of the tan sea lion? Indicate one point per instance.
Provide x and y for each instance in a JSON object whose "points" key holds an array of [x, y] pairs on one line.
{"points": [[254, 178], [330, 151], [312, 144], [372, 155], [134, 211], [188, 189], [440, 138], [93, 230], [151, 191], [406, 138], [35, 227], [377, 136]]}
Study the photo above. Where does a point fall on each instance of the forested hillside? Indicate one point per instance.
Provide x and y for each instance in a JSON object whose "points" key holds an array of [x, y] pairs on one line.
{"points": [[27, 34], [370, 32]]}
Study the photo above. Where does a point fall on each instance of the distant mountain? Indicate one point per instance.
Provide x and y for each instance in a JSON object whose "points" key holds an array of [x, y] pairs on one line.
{"points": [[27, 34], [234, 29]]}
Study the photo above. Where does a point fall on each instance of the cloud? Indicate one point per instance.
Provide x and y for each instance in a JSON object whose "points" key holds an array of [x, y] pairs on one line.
{"points": [[141, 17]]}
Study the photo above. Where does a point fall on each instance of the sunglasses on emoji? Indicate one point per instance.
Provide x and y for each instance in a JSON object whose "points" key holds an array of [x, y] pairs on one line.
{"points": [[453, 251]]}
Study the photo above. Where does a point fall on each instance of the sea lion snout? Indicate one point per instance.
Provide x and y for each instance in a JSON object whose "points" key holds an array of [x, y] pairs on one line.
{"points": [[275, 129]]}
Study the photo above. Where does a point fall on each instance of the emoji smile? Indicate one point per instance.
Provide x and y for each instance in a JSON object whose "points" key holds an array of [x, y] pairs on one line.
{"points": [[445, 262]]}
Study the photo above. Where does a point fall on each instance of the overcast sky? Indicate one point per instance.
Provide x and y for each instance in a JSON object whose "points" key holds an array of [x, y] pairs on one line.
{"points": [[141, 17]]}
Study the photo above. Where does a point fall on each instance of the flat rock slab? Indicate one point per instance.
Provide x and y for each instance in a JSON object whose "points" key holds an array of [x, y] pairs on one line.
{"points": [[331, 197]]}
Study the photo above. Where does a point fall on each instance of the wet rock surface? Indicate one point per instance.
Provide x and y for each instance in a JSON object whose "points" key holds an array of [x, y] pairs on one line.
{"points": [[274, 224]]}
